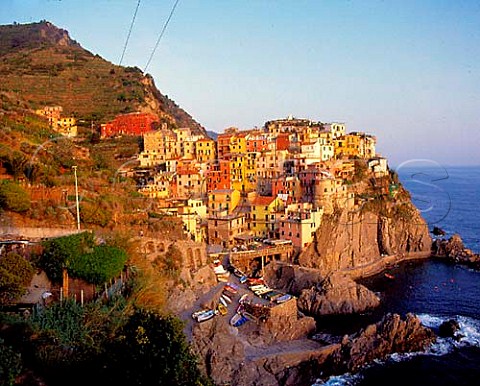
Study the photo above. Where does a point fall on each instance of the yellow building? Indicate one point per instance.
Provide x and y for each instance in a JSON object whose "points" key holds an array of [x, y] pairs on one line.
{"points": [[224, 200], [262, 216], [158, 147], [237, 172], [66, 126], [225, 218], [205, 150], [238, 143], [347, 146], [250, 176], [355, 145]]}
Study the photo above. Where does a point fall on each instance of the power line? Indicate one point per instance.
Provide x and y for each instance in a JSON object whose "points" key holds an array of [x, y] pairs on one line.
{"points": [[161, 35], [129, 32]]}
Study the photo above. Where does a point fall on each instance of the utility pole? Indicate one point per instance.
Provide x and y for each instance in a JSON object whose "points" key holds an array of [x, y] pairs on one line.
{"points": [[76, 196]]}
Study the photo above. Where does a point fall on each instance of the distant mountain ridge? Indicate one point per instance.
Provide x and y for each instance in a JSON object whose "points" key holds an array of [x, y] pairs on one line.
{"points": [[41, 65]]}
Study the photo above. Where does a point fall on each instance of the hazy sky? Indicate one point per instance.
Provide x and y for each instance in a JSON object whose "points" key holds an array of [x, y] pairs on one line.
{"points": [[407, 71]]}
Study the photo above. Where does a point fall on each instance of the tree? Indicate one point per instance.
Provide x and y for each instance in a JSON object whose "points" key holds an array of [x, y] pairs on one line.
{"points": [[152, 350], [16, 273], [59, 252], [13, 197], [99, 266]]}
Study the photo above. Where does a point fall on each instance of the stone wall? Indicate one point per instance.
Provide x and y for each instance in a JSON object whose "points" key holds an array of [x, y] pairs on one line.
{"points": [[194, 254]]}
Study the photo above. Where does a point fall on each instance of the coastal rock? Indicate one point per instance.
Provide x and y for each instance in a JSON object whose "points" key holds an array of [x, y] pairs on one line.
{"points": [[454, 250], [362, 241], [448, 328], [337, 294], [437, 231], [390, 335]]}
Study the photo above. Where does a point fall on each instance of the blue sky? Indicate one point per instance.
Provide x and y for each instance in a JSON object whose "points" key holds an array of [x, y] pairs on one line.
{"points": [[407, 71]]}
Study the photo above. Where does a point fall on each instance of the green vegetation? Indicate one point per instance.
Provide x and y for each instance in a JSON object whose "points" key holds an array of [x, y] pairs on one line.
{"points": [[42, 72], [99, 266], [16, 273], [59, 252], [10, 364], [101, 343], [13, 197], [82, 258]]}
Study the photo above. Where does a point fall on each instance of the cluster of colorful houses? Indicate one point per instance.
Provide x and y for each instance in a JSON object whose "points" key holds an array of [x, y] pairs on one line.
{"points": [[271, 183], [276, 182]]}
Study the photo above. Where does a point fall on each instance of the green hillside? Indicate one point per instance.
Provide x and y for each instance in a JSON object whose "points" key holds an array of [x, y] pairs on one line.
{"points": [[41, 65]]}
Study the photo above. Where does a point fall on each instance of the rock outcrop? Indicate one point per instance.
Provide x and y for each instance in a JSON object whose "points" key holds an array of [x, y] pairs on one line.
{"points": [[449, 328], [349, 240], [230, 359], [337, 294], [390, 335], [454, 251]]}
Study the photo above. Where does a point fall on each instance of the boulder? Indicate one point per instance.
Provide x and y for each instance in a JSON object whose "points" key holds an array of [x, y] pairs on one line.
{"points": [[337, 294], [390, 335], [454, 251], [448, 328]]}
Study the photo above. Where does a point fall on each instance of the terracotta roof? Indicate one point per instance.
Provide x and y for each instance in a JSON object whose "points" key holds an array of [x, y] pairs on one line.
{"points": [[263, 200]]}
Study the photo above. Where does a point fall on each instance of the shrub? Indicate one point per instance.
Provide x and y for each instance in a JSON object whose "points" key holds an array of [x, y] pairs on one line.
{"points": [[103, 264], [13, 197], [59, 252], [15, 274], [152, 350]]}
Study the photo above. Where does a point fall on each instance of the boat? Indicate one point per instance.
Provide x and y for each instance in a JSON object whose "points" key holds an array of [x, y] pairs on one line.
{"points": [[257, 287], [389, 276], [206, 316], [272, 295], [197, 313], [262, 291], [255, 280], [223, 301], [283, 299], [237, 320], [226, 298], [230, 289], [233, 285], [222, 309], [243, 298]]}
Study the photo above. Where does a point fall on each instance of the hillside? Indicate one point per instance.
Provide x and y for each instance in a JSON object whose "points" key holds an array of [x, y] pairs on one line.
{"points": [[41, 65]]}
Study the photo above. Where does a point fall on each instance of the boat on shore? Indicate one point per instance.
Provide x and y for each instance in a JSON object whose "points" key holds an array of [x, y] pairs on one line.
{"points": [[238, 320], [222, 309], [283, 299], [206, 316]]}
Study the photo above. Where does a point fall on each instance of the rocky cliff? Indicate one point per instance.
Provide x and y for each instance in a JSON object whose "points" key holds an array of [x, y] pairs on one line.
{"points": [[348, 239], [351, 243]]}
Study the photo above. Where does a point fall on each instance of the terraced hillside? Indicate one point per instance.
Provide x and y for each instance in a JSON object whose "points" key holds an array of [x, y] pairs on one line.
{"points": [[41, 65]]}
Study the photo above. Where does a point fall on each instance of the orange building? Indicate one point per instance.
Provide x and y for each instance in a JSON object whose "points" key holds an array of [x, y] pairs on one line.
{"points": [[218, 175], [129, 124]]}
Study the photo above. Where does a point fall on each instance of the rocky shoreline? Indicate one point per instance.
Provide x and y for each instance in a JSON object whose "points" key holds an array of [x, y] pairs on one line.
{"points": [[454, 251]]}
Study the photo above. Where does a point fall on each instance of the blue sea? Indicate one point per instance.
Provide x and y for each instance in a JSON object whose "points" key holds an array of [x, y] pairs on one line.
{"points": [[448, 197]]}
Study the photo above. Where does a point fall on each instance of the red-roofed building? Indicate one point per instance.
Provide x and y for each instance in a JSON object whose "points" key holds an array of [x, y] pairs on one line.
{"points": [[129, 124]]}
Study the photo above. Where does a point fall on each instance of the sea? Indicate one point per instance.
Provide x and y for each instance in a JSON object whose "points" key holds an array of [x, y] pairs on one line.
{"points": [[448, 197]]}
